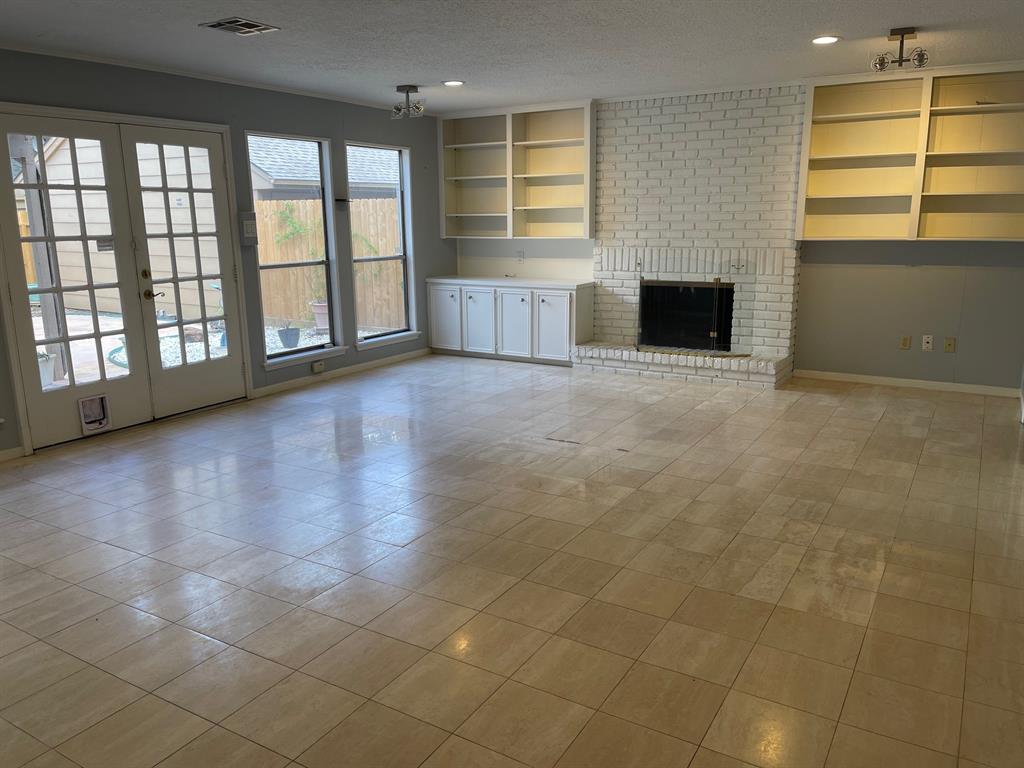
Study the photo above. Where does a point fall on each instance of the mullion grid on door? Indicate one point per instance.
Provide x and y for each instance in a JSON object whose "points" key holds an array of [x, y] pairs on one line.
{"points": [[49, 240], [171, 237]]}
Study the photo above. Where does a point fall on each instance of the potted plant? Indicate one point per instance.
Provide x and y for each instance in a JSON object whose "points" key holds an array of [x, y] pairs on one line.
{"points": [[318, 305], [46, 361], [289, 336]]}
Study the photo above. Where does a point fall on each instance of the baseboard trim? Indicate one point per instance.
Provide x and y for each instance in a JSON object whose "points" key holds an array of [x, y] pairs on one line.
{"points": [[16, 452], [337, 373], [888, 381]]}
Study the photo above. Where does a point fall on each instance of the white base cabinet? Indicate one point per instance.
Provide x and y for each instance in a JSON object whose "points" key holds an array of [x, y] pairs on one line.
{"points": [[536, 320]]}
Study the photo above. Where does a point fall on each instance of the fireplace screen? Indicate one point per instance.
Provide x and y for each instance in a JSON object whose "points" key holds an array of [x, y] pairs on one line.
{"points": [[686, 315]]}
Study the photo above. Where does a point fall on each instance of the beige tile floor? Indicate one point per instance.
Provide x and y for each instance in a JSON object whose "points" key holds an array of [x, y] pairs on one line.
{"points": [[454, 562]]}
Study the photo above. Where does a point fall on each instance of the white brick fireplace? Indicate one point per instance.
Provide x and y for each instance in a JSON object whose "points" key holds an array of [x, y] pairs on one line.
{"points": [[694, 188]]}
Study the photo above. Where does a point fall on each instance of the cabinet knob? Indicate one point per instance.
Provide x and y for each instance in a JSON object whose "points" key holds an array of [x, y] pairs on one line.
{"points": [[543, 301], [451, 295], [522, 299], [470, 297]]}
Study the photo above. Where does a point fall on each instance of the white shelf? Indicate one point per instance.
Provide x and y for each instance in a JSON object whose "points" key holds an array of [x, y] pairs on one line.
{"points": [[855, 117], [548, 208], [977, 153], [972, 194], [546, 175], [972, 109], [474, 178], [476, 145], [464, 215], [569, 142], [874, 156], [859, 197]]}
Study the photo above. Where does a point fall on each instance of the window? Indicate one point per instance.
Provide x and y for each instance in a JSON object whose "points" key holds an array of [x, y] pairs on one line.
{"points": [[289, 192], [379, 263]]}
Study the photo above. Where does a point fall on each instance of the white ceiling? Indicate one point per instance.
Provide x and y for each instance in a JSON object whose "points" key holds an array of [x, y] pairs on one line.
{"points": [[510, 51]]}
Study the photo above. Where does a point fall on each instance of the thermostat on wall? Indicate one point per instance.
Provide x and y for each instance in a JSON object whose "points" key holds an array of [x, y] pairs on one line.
{"points": [[249, 235]]}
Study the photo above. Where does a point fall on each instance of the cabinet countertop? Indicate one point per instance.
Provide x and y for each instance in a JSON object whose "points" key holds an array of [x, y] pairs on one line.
{"points": [[512, 282]]}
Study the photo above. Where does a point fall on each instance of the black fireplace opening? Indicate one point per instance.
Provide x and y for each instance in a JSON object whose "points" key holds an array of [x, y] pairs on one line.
{"points": [[685, 314]]}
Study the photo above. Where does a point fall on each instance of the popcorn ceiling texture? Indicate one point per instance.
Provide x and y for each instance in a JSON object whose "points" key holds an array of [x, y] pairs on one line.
{"points": [[697, 188]]}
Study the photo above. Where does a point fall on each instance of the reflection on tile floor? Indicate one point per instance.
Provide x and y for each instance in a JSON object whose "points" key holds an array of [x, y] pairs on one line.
{"points": [[456, 562]]}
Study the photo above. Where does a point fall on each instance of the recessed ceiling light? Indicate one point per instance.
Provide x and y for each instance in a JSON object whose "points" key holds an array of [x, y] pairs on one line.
{"points": [[825, 40], [454, 83]]}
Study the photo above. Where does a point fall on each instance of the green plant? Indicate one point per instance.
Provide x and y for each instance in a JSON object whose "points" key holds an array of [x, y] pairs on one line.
{"points": [[289, 225], [44, 355]]}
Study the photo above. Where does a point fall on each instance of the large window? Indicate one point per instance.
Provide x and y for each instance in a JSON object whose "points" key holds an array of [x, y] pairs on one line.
{"points": [[289, 188], [379, 237]]}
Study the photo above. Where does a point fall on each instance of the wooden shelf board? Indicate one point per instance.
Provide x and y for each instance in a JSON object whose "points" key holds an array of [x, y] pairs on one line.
{"points": [[461, 215], [970, 109], [548, 208], [858, 197], [477, 237], [476, 145], [854, 117], [473, 178], [567, 142], [976, 153], [546, 175], [876, 156], [974, 239], [971, 194], [549, 237]]}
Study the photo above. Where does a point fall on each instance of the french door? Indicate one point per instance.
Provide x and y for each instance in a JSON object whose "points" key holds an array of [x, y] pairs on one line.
{"points": [[121, 279]]}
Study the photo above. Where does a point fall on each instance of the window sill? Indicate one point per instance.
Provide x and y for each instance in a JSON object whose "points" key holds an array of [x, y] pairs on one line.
{"points": [[387, 341], [303, 358]]}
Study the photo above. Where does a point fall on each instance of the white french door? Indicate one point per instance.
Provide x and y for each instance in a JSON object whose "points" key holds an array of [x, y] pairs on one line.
{"points": [[86, 262]]}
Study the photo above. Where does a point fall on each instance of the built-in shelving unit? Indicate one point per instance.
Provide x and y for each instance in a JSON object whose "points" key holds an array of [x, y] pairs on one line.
{"points": [[521, 174], [930, 156]]}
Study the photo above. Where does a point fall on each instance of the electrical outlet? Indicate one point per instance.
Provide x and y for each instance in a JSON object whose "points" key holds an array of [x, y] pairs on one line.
{"points": [[927, 343], [906, 342], [317, 366], [521, 257], [950, 344]]}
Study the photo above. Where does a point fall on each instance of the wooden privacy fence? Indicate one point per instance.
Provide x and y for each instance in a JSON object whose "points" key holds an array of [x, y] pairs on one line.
{"points": [[292, 231]]}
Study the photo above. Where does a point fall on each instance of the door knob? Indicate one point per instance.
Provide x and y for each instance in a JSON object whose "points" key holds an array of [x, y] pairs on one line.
{"points": [[148, 294]]}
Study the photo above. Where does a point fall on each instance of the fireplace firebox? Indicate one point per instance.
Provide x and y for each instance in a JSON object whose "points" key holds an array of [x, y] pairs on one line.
{"points": [[685, 314]]}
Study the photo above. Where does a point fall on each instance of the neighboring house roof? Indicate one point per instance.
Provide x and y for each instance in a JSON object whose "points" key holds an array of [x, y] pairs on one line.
{"points": [[287, 160]]}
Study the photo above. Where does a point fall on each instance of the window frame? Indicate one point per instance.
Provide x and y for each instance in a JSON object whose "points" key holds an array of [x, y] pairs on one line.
{"points": [[405, 226], [335, 345]]}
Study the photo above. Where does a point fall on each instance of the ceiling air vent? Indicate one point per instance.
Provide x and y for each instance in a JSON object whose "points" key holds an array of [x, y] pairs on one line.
{"points": [[239, 26]]}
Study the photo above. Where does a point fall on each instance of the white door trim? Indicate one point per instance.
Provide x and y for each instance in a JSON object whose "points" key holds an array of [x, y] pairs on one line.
{"points": [[36, 110]]}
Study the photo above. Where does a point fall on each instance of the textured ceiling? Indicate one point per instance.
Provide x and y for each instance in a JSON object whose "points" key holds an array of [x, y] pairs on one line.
{"points": [[510, 51]]}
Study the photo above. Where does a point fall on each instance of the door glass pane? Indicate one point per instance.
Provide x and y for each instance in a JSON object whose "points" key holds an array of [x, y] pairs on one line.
{"points": [[204, 212], [195, 342], [174, 166], [115, 357], [108, 308], [154, 213], [90, 162], [160, 258], [165, 303], [84, 363], [78, 313], [188, 294], [217, 333], [181, 212], [47, 316], [209, 256], [213, 295], [64, 210], [150, 174], [170, 347], [57, 155], [52, 366], [199, 159], [97, 213], [380, 297], [102, 261], [71, 263], [24, 152], [185, 256]]}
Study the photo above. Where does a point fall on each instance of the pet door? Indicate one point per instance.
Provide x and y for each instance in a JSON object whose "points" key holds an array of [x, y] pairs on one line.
{"points": [[95, 414]]}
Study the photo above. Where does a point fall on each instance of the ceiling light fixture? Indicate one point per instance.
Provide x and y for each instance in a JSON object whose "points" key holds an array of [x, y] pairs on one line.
{"points": [[236, 25], [880, 62], [454, 83], [826, 39], [410, 108]]}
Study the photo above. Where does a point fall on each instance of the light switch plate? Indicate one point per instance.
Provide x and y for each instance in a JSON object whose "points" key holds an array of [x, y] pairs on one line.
{"points": [[906, 342], [949, 345]]}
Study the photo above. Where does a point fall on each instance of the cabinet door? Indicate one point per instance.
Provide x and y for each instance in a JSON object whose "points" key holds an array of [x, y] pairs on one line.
{"points": [[551, 327], [478, 320], [514, 337], [445, 317]]}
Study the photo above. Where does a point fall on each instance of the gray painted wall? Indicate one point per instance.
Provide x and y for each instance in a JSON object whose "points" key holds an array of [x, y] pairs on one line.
{"points": [[857, 299], [51, 81]]}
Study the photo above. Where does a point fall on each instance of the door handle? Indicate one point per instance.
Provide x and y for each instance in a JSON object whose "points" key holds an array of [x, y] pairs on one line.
{"points": [[521, 299], [148, 294]]}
